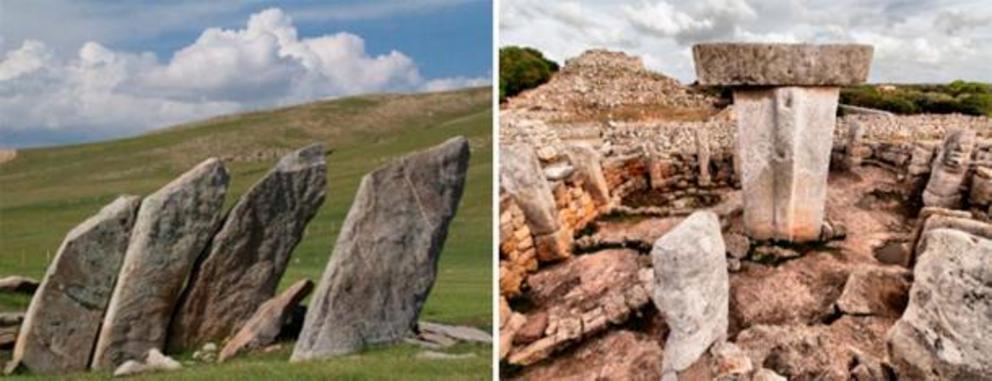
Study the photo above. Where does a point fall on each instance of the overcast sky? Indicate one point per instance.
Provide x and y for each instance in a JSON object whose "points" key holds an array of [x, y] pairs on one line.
{"points": [[915, 40], [73, 71]]}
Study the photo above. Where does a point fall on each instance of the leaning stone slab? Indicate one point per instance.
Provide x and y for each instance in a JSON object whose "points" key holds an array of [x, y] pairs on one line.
{"points": [[747, 64], [172, 228], [62, 322], [521, 176], [946, 331], [385, 260], [265, 325], [247, 257], [691, 289]]}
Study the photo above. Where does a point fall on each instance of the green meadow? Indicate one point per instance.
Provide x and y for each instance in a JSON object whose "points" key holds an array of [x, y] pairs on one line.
{"points": [[44, 192]]}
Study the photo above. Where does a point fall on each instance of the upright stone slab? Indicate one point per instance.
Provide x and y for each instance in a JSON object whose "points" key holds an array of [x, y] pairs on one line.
{"points": [[385, 260], [247, 258], [785, 99], [172, 228], [62, 322], [945, 332], [784, 139], [523, 179], [691, 289]]}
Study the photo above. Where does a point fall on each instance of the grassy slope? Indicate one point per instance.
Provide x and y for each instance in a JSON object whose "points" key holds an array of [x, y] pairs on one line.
{"points": [[45, 192]]}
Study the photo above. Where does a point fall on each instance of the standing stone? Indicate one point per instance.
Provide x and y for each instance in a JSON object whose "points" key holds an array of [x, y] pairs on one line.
{"points": [[62, 322], [785, 100], [703, 156], [691, 289], [949, 170], [173, 226], [265, 325], [946, 331], [784, 140], [247, 258], [385, 260], [588, 163], [855, 151], [521, 176]]}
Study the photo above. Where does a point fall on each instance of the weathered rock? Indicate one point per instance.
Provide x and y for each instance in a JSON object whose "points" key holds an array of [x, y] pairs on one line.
{"points": [[171, 230], [11, 319], [800, 291], [587, 163], [582, 297], [981, 187], [691, 288], [504, 311], [738, 245], [265, 325], [522, 178], [781, 64], [385, 260], [18, 284], [533, 329], [730, 362], [8, 337], [617, 355], [784, 141], [558, 171], [814, 352], [246, 259], [946, 331], [155, 361], [455, 332], [767, 375], [433, 355], [949, 170], [64, 317], [508, 331], [876, 290]]}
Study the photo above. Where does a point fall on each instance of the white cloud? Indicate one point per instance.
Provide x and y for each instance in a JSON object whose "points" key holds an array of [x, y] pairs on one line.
{"points": [[100, 92], [915, 40]]}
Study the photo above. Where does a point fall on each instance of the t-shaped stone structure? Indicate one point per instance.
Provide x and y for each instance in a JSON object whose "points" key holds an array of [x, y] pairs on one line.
{"points": [[785, 100]]}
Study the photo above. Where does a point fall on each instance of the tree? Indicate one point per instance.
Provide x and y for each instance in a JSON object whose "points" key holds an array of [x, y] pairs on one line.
{"points": [[522, 68]]}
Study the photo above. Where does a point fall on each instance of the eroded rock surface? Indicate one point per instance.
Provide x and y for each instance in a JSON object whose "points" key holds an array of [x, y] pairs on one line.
{"points": [[781, 64], [946, 331], [247, 257], [385, 260], [172, 228], [691, 288], [617, 355], [62, 322]]}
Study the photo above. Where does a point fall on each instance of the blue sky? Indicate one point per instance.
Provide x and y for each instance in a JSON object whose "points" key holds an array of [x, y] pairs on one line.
{"points": [[112, 69]]}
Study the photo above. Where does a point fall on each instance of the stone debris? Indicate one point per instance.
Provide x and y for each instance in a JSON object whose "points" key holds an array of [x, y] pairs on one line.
{"points": [[691, 289], [946, 329], [62, 322], [876, 290], [456, 332], [266, 324], [155, 361], [172, 228], [619, 355], [580, 298], [385, 260], [246, 259], [434, 355], [206, 354], [17, 284]]}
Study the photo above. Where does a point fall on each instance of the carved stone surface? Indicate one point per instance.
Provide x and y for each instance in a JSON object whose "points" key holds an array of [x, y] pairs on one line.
{"points": [[784, 143], [385, 260], [949, 170], [64, 317], [172, 228], [247, 257], [781, 64]]}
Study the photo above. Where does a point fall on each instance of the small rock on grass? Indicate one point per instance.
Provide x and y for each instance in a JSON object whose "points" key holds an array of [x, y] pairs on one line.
{"points": [[155, 361]]}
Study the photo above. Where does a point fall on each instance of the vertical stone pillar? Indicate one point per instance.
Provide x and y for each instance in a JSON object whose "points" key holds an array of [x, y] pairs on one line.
{"points": [[785, 100]]}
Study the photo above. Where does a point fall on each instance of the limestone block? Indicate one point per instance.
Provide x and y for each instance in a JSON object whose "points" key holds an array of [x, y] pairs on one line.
{"points": [[781, 64]]}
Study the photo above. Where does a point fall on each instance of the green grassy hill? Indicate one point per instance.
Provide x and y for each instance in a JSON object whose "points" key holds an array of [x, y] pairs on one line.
{"points": [[45, 192]]}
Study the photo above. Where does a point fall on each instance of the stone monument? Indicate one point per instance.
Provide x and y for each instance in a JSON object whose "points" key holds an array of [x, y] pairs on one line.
{"points": [[785, 99], [949, 170]]}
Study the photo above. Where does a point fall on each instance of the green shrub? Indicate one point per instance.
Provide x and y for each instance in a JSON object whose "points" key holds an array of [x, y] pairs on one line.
{"points": [[971, 98], [522, 68]]}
